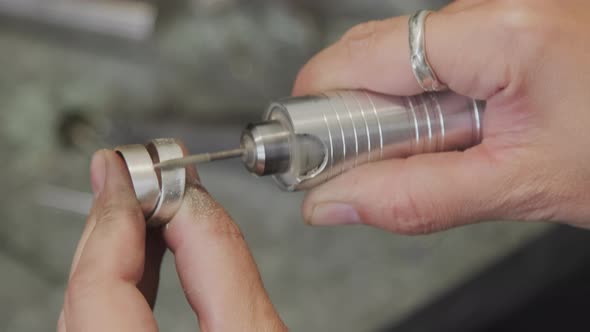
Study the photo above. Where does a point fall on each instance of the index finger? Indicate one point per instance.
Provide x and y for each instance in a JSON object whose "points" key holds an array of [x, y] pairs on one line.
{"points": [[460, 46], [217, 271]]}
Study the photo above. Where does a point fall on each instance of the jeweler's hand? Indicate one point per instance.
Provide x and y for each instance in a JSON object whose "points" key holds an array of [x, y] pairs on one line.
{"points": [[530, 59], [115, 271]]}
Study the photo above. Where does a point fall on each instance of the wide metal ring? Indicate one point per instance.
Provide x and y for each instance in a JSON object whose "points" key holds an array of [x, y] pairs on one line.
{"points": [[159, 192], [172, 181], [420, 66], [143, 176]]}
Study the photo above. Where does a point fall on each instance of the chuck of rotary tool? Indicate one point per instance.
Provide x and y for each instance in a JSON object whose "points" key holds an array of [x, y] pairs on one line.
{"points": [[266, 148], [271, 148]]}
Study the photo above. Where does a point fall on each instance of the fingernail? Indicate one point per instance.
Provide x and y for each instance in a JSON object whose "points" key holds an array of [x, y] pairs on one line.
{"points": [[331, 214], [98, 170]]}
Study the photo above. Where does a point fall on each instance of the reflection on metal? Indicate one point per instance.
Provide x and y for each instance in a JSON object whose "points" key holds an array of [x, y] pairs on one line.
{"points": [[127, 19], [159, 192]]}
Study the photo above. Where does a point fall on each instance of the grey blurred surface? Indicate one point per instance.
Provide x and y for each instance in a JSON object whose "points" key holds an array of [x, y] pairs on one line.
{"points": [[206, 70]]}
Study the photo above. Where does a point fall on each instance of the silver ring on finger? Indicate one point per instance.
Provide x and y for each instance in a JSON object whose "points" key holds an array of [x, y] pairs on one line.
{"points": [[420, 65]]}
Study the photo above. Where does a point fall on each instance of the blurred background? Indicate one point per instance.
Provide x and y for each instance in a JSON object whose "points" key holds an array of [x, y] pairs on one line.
{"points": [[79, 75]]}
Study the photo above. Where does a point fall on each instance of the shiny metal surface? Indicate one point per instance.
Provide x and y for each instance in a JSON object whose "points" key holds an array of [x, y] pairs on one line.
{"points": [[143, 176], [159, 191], [334, 132], [172, 181], [421, 67], [267, 148]]}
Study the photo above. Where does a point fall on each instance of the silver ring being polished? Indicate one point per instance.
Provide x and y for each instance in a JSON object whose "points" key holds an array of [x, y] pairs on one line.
{"points": [[420, 66], [143, 176], [172, 181], [159, 192]]}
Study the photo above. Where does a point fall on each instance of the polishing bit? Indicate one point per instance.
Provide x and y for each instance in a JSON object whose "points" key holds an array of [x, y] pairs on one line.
{"points": [[200, 158]]}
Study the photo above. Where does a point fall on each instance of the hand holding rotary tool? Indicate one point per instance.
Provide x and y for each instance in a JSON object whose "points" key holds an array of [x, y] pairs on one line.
{"points": [[367, 155]]}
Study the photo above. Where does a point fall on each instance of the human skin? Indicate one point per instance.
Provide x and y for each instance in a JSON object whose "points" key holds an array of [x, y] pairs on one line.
{"points": [[530, 59], [115, 271]]}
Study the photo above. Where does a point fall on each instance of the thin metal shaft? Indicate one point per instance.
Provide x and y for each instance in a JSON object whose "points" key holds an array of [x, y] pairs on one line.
{"points": [[200, 158]]}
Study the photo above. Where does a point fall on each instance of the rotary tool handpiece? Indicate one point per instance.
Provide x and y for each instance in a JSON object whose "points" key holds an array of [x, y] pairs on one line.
{"points": [[305, 141]]}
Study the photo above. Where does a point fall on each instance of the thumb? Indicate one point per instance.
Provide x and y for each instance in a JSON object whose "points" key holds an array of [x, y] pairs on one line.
{"points": [[102, 293], [418, 195], [462, 44]]}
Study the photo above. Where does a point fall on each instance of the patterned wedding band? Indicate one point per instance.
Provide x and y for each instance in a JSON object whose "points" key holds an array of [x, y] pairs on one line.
{"points": [[420, 66]]}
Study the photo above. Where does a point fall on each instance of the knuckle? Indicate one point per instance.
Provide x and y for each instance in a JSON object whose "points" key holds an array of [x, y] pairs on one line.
{"points": [[522, 23], [529, 203], [523, 185], [406, 215], [533, 195], [361, 39], [361, 31]]}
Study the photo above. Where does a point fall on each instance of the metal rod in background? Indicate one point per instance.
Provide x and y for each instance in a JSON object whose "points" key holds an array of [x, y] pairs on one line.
{"points": [[127, 19]]}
